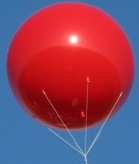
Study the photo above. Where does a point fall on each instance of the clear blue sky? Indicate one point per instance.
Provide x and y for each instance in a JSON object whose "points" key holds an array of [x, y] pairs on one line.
{"points": [[23, 140]]}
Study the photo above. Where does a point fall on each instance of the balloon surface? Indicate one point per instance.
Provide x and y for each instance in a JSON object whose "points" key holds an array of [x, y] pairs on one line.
{"points": [[68, 58]]}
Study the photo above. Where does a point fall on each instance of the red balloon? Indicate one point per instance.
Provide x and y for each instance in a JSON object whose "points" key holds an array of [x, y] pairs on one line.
{"points": [[59, 52]]}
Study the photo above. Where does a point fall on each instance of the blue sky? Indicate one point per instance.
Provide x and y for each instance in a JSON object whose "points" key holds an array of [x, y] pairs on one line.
{"points": [[24, 140]]}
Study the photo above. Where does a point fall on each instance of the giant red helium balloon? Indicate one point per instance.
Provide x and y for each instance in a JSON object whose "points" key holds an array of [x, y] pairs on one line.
{"points": [[59, 52]]}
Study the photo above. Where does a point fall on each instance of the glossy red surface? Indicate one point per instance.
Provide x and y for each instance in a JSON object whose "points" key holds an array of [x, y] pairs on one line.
{"points": [[56, 50]]}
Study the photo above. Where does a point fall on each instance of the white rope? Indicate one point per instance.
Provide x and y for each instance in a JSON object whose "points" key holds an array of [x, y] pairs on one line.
{"points": [[85, 158], [65, 141], [72, 137], [78, 148], [86, 120], [100, 130]]}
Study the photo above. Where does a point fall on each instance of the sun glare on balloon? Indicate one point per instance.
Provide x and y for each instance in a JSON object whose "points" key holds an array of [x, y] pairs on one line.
{"points": [[73, 39]]}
